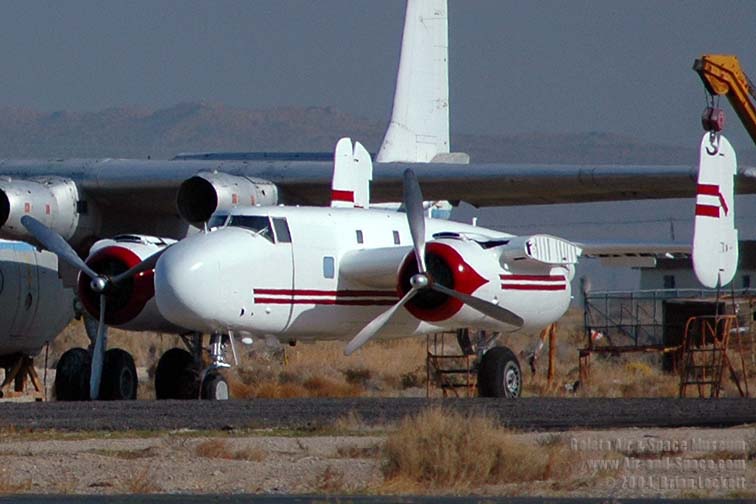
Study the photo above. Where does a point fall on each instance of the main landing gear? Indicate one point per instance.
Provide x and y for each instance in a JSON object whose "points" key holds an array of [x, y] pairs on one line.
{"points": [[179, 373], [119, 377], [499, 373]]}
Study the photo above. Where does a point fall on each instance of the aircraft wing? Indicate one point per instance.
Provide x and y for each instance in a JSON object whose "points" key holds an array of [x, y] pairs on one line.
{"points": [[120, 182], [140, 196], [520, 184], [633, 254]]}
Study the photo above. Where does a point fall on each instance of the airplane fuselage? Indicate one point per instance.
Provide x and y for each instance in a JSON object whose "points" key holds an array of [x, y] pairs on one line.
{"points": [[323, 273]]}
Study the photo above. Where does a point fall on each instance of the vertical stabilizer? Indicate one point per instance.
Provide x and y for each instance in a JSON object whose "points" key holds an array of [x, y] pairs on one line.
{"points": [[352, 173], [419, 127], [715, 239]]}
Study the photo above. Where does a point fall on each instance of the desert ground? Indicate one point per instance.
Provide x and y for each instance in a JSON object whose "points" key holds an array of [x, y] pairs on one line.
{"points": [[435, 452]]}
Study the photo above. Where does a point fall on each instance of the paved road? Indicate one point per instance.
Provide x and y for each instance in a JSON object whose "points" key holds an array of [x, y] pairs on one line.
{"points": [[523, 413], [320, 499]]}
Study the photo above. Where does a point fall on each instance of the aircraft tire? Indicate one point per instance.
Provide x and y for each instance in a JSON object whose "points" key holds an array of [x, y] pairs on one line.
{"points": [[499, 374], [177, 376], [214, 387], [119, 376], [72, 375]]}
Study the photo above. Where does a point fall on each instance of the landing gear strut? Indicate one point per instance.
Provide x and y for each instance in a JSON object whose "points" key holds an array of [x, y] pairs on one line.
{"points": [[179, 374], [214, 385]]}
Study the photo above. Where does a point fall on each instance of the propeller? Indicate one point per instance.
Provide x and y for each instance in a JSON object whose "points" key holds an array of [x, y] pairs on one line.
{"points": [[100, 284], [413, 203]]}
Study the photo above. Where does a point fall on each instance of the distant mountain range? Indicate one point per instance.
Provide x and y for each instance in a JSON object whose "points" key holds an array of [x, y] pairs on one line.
{"points": [[132, 132]]}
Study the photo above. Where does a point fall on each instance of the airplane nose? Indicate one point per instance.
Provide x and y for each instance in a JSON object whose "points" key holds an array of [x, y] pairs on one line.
{"points": [[188, 278]]}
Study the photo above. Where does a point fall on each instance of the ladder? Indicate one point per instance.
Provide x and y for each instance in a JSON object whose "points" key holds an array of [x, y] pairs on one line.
{"points": [[704, 355], [453, 373]]}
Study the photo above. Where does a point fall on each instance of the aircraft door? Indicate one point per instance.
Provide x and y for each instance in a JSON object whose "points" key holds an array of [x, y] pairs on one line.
{"points": [[272, 279], [285, 255]]}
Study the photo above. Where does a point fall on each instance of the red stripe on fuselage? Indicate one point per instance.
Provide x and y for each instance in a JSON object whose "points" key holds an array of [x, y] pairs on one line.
{"points": [[326, 301], [535, 287], [534, 278], [313, 292]]}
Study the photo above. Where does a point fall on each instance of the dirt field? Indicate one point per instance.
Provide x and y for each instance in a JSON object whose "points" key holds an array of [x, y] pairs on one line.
{"points": [[631, 462]]}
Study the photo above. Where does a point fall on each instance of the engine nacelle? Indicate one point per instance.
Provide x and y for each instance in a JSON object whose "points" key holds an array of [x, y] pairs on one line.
{"points": [[130, 304], [35, 305], [201, 196], [50, 200], [457, 264]]}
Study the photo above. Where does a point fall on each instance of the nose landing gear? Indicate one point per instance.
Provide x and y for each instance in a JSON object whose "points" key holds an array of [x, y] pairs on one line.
{"points": [[180, 373]]}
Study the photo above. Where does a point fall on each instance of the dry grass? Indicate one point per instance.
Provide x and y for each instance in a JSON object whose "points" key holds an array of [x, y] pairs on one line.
{"points": [[331, 481], [139, 482], [359, 452], [221, 449], [397, 367], [10, 485], [149, 452], [321, 370], [444, 449]]}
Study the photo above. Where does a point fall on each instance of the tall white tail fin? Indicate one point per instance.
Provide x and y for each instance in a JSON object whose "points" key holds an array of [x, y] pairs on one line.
{"points": [[352, 173], [715, 239], [419, 127]]}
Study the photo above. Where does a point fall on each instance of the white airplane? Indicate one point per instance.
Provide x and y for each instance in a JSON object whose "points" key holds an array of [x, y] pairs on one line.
{"points": [[84, 200], [352, 273]]}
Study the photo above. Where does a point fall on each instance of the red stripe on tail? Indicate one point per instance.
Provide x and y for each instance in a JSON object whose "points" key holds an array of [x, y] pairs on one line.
{"points": [[707, 211], [337, 195]]}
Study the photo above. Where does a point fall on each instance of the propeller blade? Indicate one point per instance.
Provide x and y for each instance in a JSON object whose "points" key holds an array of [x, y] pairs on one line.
{"points": [[376, 324], [413, 204], [98, 353], [147, 264], [484, 307], [53, 242]]}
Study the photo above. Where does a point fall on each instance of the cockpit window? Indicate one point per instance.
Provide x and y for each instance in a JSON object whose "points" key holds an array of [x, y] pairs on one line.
{"points": [[259, 224], [217, 221]]}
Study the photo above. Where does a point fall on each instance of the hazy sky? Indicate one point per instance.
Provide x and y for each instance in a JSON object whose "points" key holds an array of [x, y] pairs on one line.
{"points": [[557, 66]]}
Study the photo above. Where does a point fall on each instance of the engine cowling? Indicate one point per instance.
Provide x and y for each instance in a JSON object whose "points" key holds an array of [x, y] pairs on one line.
{"points": [[131, 303], [201, 196], [50, 200], [457, 264]]}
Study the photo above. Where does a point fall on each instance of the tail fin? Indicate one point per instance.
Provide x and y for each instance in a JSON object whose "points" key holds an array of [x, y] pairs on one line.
{"points": [[419, 127], [715, 239], [352, 173]]}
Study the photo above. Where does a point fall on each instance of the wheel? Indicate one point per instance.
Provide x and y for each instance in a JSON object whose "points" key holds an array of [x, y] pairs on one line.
{"points": [[119, 376], [214, 387], [177, 375], [499, 374], [72, 375]]}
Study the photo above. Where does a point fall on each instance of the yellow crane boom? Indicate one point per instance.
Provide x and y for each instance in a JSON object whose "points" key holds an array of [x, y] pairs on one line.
{"points": [[723, 75]]}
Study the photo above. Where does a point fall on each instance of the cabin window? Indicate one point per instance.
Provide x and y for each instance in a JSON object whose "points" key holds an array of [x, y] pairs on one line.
{"points": [[281, 227], [396, 238], [746, 281], [329, 267], [257, 223], [669, 281], [360, 238]]}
